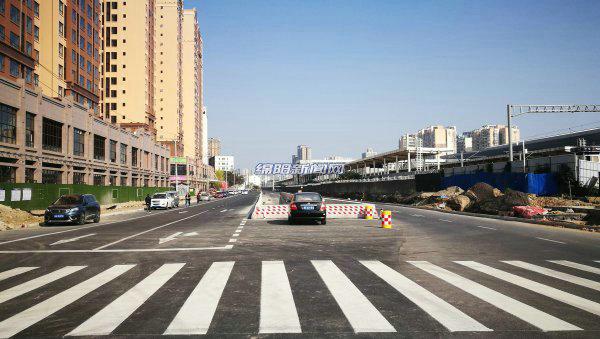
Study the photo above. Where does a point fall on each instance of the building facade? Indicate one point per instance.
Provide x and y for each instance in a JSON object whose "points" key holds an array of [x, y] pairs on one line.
{"points": [[128, 64], [223, 162], [492, 135], [18, 35], [167, 74], [464, 142], [46, 140], [214, 147], [440, 137], [191, 78], [304, 152], [368, 153]]}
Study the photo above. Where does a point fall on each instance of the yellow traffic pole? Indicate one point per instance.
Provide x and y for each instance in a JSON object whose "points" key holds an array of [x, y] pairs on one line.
{"points": [[386, 219]]}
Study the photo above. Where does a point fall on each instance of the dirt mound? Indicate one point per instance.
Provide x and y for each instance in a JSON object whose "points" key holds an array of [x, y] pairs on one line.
{"points": [[482, 192], [459, 203], [15, 218]]}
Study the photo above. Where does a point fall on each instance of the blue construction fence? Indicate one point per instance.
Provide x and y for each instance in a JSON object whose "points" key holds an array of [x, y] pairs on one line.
{"points": [[543, 184]]}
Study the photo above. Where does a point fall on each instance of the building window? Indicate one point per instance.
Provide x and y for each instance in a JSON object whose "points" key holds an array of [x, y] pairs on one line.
{"points": [[79, 178], [51, 135], [99, 147], [30, 175], [15, 40], [51, 177], [15, 68], [73, 56], [8, 174], [99, 179], [28, 48], [36, 33], [61, 51], [134, 157], [1, 61], [29, 129], [123, 154], [2, 32], [61, 71], [28, 73], [36, 8], [61, 8], [113, 151], [2, 6], [61, 29], [8, 124], [78, 142], [15, 15]]}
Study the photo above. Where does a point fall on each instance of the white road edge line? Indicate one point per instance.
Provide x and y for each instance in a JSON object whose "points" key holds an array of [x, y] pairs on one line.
{"points": [[132, 250], [445, 220], [488, 228], [555, 241]]}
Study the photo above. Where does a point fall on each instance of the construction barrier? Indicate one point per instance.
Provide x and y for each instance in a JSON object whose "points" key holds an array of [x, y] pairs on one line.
{"points": [[334, 211], [386, 219]]}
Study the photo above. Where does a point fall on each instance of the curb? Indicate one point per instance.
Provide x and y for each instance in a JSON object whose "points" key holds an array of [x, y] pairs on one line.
{"points": [[563, 224]]}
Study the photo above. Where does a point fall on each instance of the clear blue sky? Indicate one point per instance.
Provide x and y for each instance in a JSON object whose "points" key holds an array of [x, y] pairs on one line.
{"points": [[345, 75]]}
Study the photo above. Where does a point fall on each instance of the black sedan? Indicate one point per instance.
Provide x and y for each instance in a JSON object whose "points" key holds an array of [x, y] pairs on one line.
{"points": [[73, 208], [307, 206]]}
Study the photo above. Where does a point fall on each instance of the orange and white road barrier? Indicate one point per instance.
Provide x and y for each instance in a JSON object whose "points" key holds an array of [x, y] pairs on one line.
{"points": [[386, 219], [369, 212]]}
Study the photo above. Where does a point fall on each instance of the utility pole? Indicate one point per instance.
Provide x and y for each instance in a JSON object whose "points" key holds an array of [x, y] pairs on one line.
{"points": [[524, 158], [176, 165]]}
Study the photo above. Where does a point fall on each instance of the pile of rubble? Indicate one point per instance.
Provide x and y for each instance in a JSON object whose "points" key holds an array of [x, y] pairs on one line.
{"points": [[11, 218]]}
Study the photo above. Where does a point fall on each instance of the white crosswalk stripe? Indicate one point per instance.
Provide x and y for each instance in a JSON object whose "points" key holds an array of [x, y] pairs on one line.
{"points": [[550, 292], [105, 321], [277, 309], [359, 311], [37, 283], [535, 317], [578, 266], [15, 271], [197, 312], [556, 274], [448, 315], [34, 314]]}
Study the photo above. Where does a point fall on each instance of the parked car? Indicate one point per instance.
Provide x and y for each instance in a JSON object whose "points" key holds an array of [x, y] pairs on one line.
{"points": [[161, 200], [245, 192], [307, 206], [204, 196], [174, 197], [73, 208]]}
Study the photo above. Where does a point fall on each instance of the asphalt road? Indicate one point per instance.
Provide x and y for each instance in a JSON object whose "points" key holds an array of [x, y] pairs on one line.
{"points": [[208, 270]]}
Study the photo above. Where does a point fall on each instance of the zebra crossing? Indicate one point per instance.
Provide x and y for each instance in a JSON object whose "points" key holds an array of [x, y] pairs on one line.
{"points": [[279, 304]]}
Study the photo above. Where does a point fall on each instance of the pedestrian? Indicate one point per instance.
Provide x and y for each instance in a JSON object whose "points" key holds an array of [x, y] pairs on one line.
{"points": [[148, 200], [198, 198], [187, 199]]}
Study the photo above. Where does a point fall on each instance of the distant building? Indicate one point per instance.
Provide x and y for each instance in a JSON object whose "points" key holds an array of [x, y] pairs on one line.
{"points": [[222, 162], [492, 135], [410, 142], [369, 153], [441, 137], [294, 158], [304, 152], [214, 147], [464, 142]]}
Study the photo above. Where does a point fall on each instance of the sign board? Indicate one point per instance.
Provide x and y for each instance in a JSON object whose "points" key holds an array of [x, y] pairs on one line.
{"points": [[15, 194], [178, 177], [178, 160], [2, 195], [26, 193]]}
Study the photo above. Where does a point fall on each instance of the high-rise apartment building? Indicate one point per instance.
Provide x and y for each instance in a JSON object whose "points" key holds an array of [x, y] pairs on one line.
{"points": [[82, 28], [493, 135], [128, 55], [214, 147], [369, 153], [17, 38], [464, 142], [50, 46], [440, 137], [167, 73], [191, 79], [304, 152]]}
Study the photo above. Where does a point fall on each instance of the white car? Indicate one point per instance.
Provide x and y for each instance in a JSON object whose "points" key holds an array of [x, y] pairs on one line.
{"points": [[161, 200]]}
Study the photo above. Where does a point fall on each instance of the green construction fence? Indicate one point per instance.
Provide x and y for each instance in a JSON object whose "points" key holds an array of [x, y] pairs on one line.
{"points": [[29, 197]]}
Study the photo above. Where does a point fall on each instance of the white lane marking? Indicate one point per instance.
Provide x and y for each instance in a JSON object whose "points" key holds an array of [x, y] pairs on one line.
{"points": [[111, 316], [64, 241], [190, 234], [232, 240], [196, 314], [38, 282], [535, 317], [146, 231], [360, 312], [582, 267], [133, 250], [235, 235], [38, 312], [445, 220], [556, 274], [225, 210], [168, 238], [183, 212], [555, 241], [15, 271], [237, 231], [418, 215], [550, 292], [487, 228], [449, 316], [277, 308]]}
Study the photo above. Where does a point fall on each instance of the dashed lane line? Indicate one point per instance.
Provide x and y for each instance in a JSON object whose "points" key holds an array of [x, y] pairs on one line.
{"points": [[488, 228], [550, 240]]}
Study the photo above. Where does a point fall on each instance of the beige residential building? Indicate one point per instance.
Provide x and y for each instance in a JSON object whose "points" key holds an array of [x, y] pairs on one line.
{"points": [[191, 80], [493, 135], [440, 137], [214, 147], [50, 44], [167, 73], [128, 50]]}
